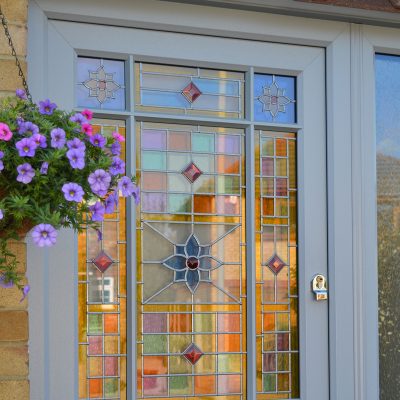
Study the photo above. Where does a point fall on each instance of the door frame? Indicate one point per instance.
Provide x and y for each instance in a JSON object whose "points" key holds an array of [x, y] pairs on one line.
{"points": [[335, 38]]}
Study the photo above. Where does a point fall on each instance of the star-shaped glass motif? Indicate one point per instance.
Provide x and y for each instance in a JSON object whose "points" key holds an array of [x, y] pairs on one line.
{"points": [[192, 263], [273, 99], [101, 85]]}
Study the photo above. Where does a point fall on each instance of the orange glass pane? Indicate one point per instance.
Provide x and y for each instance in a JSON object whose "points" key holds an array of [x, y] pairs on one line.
{"points": [[111, 323], [281, 147], [155, 365], [268, 206], [204, 384], [228, 164], [229, 342], [180, 323], [204, 204], [95, 388]]}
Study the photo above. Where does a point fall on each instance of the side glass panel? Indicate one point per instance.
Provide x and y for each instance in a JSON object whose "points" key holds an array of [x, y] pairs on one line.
{"points": [[191, 262], [102, 300], [276, 266], [189, 91], [388, 218]]}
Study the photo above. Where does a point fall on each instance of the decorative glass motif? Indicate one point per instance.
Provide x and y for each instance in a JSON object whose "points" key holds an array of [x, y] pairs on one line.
{"points": [[102, 300], [101, 83], [191, 339], [275, 98], [190, 91], [276, 266], [192, 172]]}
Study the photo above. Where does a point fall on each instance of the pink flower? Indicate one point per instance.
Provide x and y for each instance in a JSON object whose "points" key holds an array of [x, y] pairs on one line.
{"points": [[87, 129], [87, 114], [5, 133], [117, 136]]}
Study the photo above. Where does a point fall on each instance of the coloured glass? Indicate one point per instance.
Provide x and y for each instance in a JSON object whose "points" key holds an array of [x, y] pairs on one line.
{"points": [[276, 268], [100, 83], [189, 91], [191, 338], [102, 300], [274, 99]]}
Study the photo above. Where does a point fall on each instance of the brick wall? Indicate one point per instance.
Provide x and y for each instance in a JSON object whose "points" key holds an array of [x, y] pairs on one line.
{"points": [[378, 5], [14, 384]]}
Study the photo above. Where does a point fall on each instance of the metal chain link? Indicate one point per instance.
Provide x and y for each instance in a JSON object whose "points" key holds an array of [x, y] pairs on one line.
{"points": [[14, 53]]}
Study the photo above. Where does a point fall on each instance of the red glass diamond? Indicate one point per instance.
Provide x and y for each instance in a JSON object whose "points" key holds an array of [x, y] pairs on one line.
{"points": [[276, 264], [191, 92], [192, 354], [102, 261], [192, 172]]}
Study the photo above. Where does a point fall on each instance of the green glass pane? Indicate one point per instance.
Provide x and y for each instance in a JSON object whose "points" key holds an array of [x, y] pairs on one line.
{"points": [[267, 146], [282, 322], [178, 161], [268, 186], [229, 362], [269, 381], [281, 167], [179, 203], [228, 184], [204, 322], [269, 342], [178, 183], [179, 365], [180, 385], [111, 387], [281, 207], [283, 361], [179, 343], [153, 160], [154, 344], [206, 364], [206, 163], [203, 142], [95, 322], [204, 184]]}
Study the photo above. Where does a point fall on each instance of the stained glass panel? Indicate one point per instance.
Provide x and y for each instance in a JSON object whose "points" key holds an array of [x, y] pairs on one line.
{"points": [[189, 91], [102, 300], [100, 83], [276, 268], [274, 100], [192, 284]]}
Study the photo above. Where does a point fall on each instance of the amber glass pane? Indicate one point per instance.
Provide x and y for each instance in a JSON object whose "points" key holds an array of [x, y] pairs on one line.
{"points": [[276, 268], [101, 303], [191, 266]]}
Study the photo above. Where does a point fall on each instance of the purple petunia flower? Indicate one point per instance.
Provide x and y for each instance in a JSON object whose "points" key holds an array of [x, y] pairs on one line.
{"points": [[25, 291], [4, 284], [1, 165], [98, 140], [44, 235], [40, 140], [76, 158], [99, 182], [111, 202], [21, 94], [73, 192], [26, 147], [117, 166], [78, 118], [1, 214], [116, 148], [28, 128], [99, 234], [47, 107], [1, 154], [97, 210], [57, 138], [76, 144], [44, 168], [126, 186], [136, 194], [25, 173]]}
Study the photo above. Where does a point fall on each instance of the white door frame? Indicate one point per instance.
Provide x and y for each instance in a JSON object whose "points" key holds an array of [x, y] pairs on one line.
{"points": [[335, 37]]}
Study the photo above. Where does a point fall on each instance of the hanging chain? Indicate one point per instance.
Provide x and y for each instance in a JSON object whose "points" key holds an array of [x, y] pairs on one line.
{"points": [[14, 53]]}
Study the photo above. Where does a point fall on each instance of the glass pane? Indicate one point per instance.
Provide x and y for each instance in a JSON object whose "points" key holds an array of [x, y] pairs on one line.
{"points": [[192, 286], [190, 91], [388, 180], [276, 268], [274, 100], [102, 284], [100, 83]]}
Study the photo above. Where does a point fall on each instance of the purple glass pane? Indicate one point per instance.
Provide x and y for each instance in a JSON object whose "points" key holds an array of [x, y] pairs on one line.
{"points": [[229, 144], [154, 323], [155, 386], [267, 166], [152, 139], [95, 345], [282, 341], [154, 202], [111, 366], [269, 363], [228, 205]]}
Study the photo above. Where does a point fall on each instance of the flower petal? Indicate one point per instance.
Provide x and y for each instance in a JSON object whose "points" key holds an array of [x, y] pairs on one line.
{"points": [[192, 247], [175, 262], [180, 276], [192, 279]]}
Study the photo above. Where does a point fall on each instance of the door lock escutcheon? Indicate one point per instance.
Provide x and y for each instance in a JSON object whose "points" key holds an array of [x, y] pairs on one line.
{"points": [[319, 287]]}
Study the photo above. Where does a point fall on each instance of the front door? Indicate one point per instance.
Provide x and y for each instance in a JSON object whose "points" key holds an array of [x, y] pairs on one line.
{"points": [[227, 138]]}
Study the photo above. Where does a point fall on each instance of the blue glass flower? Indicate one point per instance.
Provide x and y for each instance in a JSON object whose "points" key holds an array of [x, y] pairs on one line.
{"points": [[192, 263]]}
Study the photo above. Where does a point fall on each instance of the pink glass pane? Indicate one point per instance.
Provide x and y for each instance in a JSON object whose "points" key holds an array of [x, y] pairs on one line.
{"points": [[282, 341], [228, 205], [153, 386], [154, 323], [281, 187], [229, 323], [228, 144], [111, 366], [269, 362], [154, 202], [152, 139], [229, 384], [267, 166], [95, 345]]}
